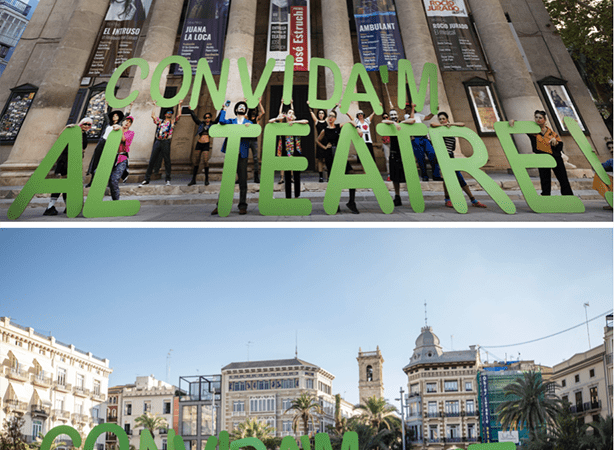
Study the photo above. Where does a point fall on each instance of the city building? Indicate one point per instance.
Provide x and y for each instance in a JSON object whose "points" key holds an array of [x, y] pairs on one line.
{"points": [[113, 413], [147, 395], [442, 396], [585, 379], [370, 374], [199, 409], [13, 21], [522, 66], [50, 383], [265, 389]]}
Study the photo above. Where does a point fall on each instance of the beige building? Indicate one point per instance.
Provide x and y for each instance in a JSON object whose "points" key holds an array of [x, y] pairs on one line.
{"points": [[265, 389], [50, 383], [585, 379], [443, 394], [370, 374]]}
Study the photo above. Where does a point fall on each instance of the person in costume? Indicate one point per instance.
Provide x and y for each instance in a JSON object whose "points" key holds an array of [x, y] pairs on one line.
{"points": [[203, 145]]}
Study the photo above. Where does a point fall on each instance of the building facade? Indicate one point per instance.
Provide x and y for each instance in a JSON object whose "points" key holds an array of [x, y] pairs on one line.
{"points": [[264, 390], [523, 56], [13, 21], [50, 383], [442, 394], [199, 409], [585, 379], [370, 374]]}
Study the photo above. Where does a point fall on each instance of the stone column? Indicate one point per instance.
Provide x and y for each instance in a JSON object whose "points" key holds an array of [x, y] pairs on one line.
{"points": [[514, 83], [55, 97], [239, 44], [419, 48], [159, 44]]}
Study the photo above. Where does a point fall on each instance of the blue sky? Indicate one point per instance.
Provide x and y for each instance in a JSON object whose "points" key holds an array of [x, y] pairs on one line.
{"points": [[131, 295]]}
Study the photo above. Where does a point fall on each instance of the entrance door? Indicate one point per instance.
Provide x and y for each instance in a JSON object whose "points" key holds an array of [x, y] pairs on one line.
{"points": [[301, 110]]}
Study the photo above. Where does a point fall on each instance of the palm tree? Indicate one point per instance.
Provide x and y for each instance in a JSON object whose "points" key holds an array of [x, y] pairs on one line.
{"points": [[601, 438], [304, 405], [376, 412], [532, 403], [151, 422], [369, 438], [252, 428]]}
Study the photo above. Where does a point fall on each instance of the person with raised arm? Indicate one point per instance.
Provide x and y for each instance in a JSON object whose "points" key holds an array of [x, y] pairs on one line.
{"points": [[319, 122], [203, 146], [397, 173], [423, 147], [255, 116]]}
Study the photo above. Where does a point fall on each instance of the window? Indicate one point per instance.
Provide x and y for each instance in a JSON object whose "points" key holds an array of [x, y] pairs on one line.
{"points": [[451, 386], [128, 409], [369, 373], [166, 408], [594, 397], [468, 386], [207, 424], [146, 406], [433, 432], [431, 387], [286, 426], [59, 404], [592, 373], [164, 444], [188, 421], [238, 406], [80, 381], [414, 388], [61, 377], [309, 383], [432, 409], [577, 378], [97, 389], [452, 432], [127, 429], [563, 383], [565, 399], [471, 431], [579, 399], [37, 428], [470, 405], [452, 407], [286, 404]]}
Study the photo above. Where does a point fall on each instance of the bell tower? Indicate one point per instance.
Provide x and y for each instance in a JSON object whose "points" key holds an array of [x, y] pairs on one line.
{"points": [[370, 376]]}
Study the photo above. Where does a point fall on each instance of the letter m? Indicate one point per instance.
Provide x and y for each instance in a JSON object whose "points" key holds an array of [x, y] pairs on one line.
{"points": [[429, 76]]}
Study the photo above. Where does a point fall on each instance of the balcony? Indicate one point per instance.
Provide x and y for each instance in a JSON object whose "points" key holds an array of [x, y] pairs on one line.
{"points": [[96, 395], [80, 391], [453, 439], [81, 418], [60, 414], [17, 406], [238, 413], [40, 411], [433, 441], [431, 414], [112, 419], [414, 394], [16, 373], [470, 439], [452, 414], [470, 413], [42, 380], [62, 386]]}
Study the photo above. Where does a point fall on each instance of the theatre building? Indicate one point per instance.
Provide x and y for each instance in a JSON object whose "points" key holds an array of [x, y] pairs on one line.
{"points": [[495, 60]]}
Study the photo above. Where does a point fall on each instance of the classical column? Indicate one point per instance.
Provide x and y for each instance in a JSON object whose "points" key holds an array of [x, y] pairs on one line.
{"points": [[239, 44], [514, 83], [419, 48], [56, 95], [159, 44]]}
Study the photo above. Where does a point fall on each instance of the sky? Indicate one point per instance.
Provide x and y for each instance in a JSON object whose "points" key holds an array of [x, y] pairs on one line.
{"points": [[132, 295]]}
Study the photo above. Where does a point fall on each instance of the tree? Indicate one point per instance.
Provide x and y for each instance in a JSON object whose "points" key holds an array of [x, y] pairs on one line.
{"points": [[531, 403], [369, 438], [601, 439], [376, 412], [151, 422], [304, 405], [11, 437], [252, 428]]}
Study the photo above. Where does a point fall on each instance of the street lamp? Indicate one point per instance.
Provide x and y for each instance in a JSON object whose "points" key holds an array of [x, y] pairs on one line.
{"points": [[402, 417]]}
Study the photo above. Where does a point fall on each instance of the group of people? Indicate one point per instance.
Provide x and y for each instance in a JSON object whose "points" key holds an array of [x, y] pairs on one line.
{"points": [[327, 132]]}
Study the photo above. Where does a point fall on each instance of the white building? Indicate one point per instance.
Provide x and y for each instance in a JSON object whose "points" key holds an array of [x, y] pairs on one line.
{"points": [[13, 20], [49, 383]]}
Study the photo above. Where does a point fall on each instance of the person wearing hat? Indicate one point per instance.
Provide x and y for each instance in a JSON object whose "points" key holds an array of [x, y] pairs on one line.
{"points": [[162, 144], [240, 119], [202, 145], [110, 119], [61, 166]]}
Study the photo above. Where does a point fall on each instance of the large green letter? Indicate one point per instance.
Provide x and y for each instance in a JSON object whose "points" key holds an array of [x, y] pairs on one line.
{"points": [[267, 205], [247, 442], [109, 93], [72, 185], [57, 431], [586, 148], [429, 75], [234, 133], [359, 71], [122, 437], [154, 89], [288, 79], [175, 442], [371, 179], [94, 206], [288, 442], [218, 96], [312, 95], [246, 82], [519, 164], [416, 199], [471, 165], [350, 441]]}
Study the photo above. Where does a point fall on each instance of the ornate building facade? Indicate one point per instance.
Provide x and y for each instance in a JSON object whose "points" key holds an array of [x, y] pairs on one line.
{"points": [[370, 374]]}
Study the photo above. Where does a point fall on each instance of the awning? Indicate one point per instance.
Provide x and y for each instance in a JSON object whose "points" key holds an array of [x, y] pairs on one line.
{"points": [[41, 396], [17, 392]]}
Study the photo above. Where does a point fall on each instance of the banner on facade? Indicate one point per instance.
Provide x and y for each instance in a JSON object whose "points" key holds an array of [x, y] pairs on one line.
{"points": [[455, 43], [204, 32], [484, 409], [289, 34], [116, 40], [379, 39]]}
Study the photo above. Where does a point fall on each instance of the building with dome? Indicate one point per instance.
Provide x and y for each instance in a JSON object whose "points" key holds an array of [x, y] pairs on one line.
{"points": [[443, 395]]}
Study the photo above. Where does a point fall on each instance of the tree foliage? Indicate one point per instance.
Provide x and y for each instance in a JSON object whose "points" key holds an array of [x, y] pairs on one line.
{"points": [[11, 437], [377, 413], [151, 422], [252, 428], [305, 406]]}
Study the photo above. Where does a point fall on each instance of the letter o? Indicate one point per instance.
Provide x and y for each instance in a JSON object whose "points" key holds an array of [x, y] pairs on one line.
{"points": [[122, 437], [59, 430], [157, 76]]}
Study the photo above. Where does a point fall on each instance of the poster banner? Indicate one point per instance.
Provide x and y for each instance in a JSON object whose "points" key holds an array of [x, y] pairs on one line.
{"points": [[117, 39], [456, 45], [289, 34], [379, 39], [203, 34]]}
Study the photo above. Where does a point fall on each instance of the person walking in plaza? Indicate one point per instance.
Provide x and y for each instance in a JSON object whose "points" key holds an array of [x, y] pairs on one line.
{"points": [[110, 119], [547, 142], [202, 146], [121, 163], [422, 147], [450, 142], [240, 119], [61, 166], [319, 122], [290, 146], [255, 116], [162, 144], [327, 141]]}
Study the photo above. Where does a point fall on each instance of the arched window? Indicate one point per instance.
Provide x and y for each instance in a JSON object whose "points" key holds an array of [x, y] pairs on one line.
{"points": [[369, 373]]}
